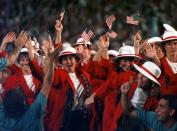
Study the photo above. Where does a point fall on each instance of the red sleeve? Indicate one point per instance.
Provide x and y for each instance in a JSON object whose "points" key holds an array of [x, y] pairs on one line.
{"points": [[11, 82], [57, 79], [37, 70], [119, 110], [15, 69], [99, 70], [37, 84], [57, 44], [3, 54], [107, 87]]}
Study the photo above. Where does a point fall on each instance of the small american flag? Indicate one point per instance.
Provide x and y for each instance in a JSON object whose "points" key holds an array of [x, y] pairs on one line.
{"points": [[130, 20], [86, 35], [110, 20]]}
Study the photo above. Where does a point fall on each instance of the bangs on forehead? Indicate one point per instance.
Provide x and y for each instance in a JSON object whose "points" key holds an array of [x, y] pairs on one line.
{"points": [[66, 56], [159, 44], [128, 58], [23, 55], [171, 41], [69, 55]]}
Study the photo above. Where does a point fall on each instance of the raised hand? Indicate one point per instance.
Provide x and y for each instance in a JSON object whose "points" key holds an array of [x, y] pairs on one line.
{"points": [[150, 51], [53, 55], [103, 42], [28, 44], [58, 26], [10, 37], [30, 48], [137, 39], [21, 39], [50, 44], [44, 47], [125, 88], [143, 46]]}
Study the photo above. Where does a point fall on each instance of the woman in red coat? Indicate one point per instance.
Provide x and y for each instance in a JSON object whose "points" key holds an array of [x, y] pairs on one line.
{"points": [[66, 110], [109, 90], [169, 62], [22, 75]]}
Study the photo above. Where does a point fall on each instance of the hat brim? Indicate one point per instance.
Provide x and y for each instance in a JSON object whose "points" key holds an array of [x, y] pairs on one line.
{"points": [[90, 46], [73, 45], [132, 56], [164, 40], [145, 73], [77, 55]]}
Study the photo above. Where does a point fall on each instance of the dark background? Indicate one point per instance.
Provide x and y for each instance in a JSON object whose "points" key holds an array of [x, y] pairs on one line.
{"points": [[38, 17]]}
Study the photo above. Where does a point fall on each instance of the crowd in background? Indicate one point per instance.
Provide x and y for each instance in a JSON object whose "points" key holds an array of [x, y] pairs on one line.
{"points": [[39, 16]]}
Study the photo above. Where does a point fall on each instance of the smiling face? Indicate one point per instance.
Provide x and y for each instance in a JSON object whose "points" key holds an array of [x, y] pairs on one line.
{"points": [[163, 111], [85, 51], [23, 59], [69, 62], [126, 63], [144, 83], [79, 48], [171, 48], [159, 50]]}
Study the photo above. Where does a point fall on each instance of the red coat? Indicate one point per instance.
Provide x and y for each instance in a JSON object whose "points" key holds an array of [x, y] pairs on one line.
{"points": [[19, 79], [108, 91], [57, 98], [3, 54], [99, 73], [15, 69], [119, 110], [168, 79]]}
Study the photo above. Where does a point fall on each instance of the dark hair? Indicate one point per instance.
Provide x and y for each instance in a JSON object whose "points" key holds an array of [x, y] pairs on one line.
{"points": [[14, 102], [117, 63], [164, 43], [22, 55], [172, 103], [62, 57]]}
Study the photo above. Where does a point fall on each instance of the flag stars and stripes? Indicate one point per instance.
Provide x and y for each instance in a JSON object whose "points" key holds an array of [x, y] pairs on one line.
{"points": [[110, 20]]}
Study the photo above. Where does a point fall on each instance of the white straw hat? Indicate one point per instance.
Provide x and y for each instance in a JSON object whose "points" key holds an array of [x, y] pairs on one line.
{"points": [[169, 34], [127, 51], [154, 40], [68, 50], [113, 53], [81, 41], [65, 44], [150, 70], [24, 50]]}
